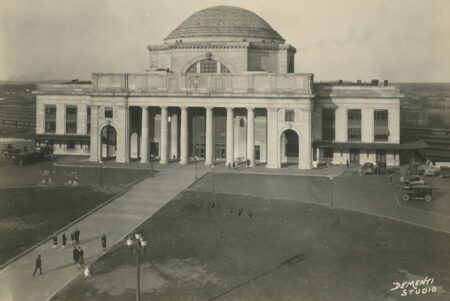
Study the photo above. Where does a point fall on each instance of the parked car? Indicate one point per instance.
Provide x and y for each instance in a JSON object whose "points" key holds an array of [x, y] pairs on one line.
{"points": [[381, 168], [368, 168], [412, 179], [417, 191], [26, 158]]}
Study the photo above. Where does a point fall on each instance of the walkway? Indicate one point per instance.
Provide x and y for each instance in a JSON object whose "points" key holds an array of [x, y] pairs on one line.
{"points": [[116, 219]]}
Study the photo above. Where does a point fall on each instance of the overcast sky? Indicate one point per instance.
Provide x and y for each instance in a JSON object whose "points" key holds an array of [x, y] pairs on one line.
{"points": [[399, 40]]}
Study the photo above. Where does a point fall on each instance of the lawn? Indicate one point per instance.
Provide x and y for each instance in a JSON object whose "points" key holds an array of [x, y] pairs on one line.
{"points": [[205, 246], [31, 211]]}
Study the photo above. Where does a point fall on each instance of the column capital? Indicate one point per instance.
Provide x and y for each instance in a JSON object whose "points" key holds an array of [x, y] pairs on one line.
{"points": [[250, 108], [229, 108], [272, 109], [144, 107], [163, 107], [183, 108]]}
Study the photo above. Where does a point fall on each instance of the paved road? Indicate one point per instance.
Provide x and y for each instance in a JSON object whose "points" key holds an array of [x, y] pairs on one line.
{"points": [[368, 194], [116, 219]]}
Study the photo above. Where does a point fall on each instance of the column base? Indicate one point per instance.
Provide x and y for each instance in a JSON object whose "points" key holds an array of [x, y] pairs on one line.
{"points": [[208, 163], [144, 161], [183, 162], [122, 161], [162, 161], [304, 166], [93, 159], [272, 166]]}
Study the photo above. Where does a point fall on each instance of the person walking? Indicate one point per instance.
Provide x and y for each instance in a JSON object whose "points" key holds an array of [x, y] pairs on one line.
{"points": [[77, 236], [390, 178], [72, 238], [63, 240], [38, 265], [80, 258], [104, 241], [75, 255], [55, 241]]}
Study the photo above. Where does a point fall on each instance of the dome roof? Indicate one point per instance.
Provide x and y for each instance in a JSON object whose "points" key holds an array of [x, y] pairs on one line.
{"points": [[224, 23]]}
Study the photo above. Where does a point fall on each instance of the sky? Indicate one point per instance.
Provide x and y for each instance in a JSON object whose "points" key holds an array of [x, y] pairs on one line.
{"points": [[398, 40]]}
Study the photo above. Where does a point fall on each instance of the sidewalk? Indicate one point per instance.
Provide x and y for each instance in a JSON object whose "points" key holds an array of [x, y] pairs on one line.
{"points": [[116, 220]]}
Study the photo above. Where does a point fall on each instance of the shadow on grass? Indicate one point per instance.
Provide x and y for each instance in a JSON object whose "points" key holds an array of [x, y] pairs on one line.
{"points": [[288, 262]]}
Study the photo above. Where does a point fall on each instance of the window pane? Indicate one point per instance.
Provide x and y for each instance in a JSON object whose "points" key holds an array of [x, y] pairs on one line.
{"points": [[108, 112]]}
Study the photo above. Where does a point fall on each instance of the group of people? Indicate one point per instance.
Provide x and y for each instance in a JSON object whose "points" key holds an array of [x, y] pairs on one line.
{"points": [[235, 164], [74, 239], [78, 253]]}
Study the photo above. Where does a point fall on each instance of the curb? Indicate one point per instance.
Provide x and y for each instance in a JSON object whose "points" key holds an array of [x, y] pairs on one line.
{"points": [[127, 188]]}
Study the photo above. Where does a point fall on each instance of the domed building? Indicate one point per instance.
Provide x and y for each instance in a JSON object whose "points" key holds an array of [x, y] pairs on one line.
{"points": [[222, 88]]}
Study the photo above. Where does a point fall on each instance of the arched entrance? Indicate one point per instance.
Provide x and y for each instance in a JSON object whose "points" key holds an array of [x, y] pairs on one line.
{"points": [[289, 147], [109, 142]]}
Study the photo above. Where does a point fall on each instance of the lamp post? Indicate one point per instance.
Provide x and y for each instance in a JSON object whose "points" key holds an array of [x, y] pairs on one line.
{"points": [[331, 192], [196, 170], [212, 169], [137, 244], [151, 165], [101, 173]]}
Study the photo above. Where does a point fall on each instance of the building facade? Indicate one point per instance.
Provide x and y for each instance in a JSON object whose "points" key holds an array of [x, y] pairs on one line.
{"points": [[221, 88]]}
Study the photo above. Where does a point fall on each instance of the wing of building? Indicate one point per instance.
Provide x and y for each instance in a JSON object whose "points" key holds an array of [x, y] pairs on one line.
{"points": [[221, 87]]}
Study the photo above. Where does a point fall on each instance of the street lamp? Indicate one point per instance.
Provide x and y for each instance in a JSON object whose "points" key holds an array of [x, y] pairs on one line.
{"points": [[212, 168], [196, 170], [101, 173], [137, 244], [151, 165], [331, 192]]}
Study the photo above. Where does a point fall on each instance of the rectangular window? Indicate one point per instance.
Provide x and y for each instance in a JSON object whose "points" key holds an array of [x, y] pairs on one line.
{"points": [[289, 115], [108, 112], [88, 120], [208, 66], [328, 124], [71, 119], [354, 125], [70, 145], [381, 156], [381, 126], [50, 119], [328, 153]]}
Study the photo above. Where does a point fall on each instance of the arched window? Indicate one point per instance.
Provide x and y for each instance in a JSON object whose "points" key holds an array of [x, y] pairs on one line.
{"points": [[208, 66]]}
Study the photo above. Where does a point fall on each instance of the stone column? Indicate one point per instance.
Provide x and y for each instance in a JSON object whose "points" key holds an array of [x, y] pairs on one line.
{"points": [[273, 145], [81, 119], [341, 124], [230, 137], [144, 135], [305, 149], [394, 123], [164, 132], [123, 134], [251, 136], [174, 136], [60, 119], [367, 125], [95, 135], [209, 137], [184, 136]]}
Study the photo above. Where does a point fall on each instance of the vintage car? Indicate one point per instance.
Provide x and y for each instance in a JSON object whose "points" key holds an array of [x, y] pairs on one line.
{"points": [[417, 191], [381, 168], [368, 168], [412, 179]]}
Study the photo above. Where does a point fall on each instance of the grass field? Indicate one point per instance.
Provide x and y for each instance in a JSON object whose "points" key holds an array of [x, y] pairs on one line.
{"points": [[28, 215], [204, 246], [30, 212]]}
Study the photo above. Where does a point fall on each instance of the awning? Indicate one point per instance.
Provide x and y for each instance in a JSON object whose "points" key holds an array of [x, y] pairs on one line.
{"points": [[59, 137], [381, 130], [415, 145], [358, 145]]}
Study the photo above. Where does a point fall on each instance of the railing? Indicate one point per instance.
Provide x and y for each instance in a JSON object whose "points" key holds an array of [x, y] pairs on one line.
{"points": [[264, 83]]}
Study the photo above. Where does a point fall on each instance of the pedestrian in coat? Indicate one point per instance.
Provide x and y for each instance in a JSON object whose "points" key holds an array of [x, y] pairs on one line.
{"points": [[77, 236], [75, 255], [80, 257], [64, 240], [38, 265], [72, 238], [104, 241], [55, 241]]}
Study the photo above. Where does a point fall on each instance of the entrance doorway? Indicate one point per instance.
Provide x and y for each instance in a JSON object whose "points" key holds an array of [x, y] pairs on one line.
{"points": [[354, 156], [109, 142], [289, 147]]}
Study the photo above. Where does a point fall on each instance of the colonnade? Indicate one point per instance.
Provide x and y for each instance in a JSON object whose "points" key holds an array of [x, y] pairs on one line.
{"points": [[209, 149]]}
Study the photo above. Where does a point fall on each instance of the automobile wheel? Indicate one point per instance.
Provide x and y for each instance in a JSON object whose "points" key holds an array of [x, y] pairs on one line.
{"points": [[428, 198], [405, 197]]}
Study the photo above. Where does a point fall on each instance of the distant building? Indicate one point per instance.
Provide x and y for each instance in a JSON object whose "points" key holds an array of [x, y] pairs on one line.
{"points": [[221, 87]]}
